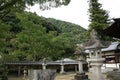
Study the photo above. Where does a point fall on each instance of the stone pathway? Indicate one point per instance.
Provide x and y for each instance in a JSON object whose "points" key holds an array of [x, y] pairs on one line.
{"points": [[70, 76]]}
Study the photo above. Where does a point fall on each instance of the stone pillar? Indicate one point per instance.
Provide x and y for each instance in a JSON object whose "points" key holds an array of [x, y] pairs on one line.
{"points": [[25, 74], [96, 64], [44, 64], [80, 65], [81, 74], [62, 67]]}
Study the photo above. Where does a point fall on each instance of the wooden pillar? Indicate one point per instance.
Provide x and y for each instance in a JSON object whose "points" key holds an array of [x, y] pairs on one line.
{"points": [[118, 59], [105, 60], [19, 70], [75, 68]]}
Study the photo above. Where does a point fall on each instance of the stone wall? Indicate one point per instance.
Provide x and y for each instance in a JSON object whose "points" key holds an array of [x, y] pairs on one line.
{"points": [[41, 74]]}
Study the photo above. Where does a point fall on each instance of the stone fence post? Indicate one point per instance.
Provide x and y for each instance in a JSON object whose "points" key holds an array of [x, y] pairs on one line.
{"points": [[62, 67]]}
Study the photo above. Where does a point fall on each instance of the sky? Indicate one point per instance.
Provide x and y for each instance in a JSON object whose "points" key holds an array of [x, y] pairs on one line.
{"points": [[77, 11]]}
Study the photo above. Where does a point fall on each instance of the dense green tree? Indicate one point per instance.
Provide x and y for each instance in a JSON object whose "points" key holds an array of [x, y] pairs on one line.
{"points": [[7, 6], [4, 36], [9, 27], [3, 72], [30, 37], [44, 4], [75, 33], [98, 17], [36, 41], [26, 36]]}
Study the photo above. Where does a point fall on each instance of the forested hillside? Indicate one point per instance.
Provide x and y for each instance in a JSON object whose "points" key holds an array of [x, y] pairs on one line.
{"points": [[26, 36], [74, 32]]}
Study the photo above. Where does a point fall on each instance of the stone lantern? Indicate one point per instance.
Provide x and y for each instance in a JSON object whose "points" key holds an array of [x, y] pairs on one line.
{"points": [[95, 58], [79, 51], [81, 74]]}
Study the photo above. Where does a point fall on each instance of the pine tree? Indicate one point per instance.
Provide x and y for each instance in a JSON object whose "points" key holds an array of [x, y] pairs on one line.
{"points": [[98, 17]]}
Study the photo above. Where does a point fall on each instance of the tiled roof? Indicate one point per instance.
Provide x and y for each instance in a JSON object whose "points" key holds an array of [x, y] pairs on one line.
{"points": [[112, 47]]}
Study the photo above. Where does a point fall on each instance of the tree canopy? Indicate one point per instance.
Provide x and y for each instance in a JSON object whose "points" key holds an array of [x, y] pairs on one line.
{"points": [[21, 4], [7, 6], [26, 36], [75, 33], [98, 17]]}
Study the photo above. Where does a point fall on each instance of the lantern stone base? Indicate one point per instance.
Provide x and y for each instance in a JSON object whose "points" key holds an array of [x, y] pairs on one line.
{"points": [[81, 76], [96, 64]]}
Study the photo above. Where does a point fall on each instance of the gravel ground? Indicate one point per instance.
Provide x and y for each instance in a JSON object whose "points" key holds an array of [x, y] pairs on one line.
{"points": [[67, 76]]}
